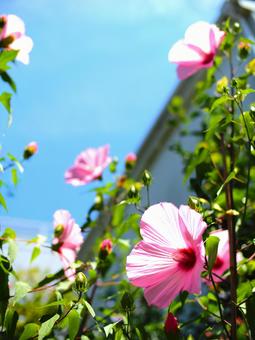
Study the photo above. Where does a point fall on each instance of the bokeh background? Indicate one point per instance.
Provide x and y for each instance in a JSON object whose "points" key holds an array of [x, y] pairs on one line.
{"points": [[98, 74]]}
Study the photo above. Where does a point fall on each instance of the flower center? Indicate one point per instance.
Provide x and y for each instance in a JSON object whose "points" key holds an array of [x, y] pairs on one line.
{"points": [[208, 58], [218, 263], [185, 257]]}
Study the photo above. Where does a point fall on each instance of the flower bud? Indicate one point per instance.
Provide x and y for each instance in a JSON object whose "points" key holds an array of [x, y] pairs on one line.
{"points": [[130, 161], [30, 150], [127, 302], [250, 67], [244, 49], [99, 202], [113, 164], [171, 324], [222, 84], [121, 181], [236, 27], [252, 111], [81, 282], [147, 178], [133, 192], [105, 248]]}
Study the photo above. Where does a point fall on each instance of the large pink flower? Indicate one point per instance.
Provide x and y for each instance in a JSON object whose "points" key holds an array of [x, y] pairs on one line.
{"points": [[12, 36], [67, 240], [197, 50], [170, 258], [88, 166]]}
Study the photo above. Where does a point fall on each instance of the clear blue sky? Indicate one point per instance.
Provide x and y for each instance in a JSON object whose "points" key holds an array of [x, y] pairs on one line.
{"points": [[98, 74]]}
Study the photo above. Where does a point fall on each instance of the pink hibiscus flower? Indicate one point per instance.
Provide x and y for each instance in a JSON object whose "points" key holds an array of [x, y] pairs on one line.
{"points": [[67, 241], [197, 50], [12, 36], [170, 258], [88, 166]]}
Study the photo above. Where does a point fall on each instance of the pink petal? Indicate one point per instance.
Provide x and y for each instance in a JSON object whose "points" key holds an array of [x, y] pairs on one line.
{"points": [[14, 24], [185, 72], [61, 217], [160, 225], [180, 53], [192, 224], [198, 34], [149, 264], [77, 176], [67, 257]]}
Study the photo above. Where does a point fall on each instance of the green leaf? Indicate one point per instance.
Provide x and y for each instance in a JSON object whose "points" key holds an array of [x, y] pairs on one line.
{"points": [[5, 100], [109, 328], [228, 179], [4, 286], [7, 56], [2, 202], [14, 176], [73, 323], [52, 304], [21, 290], [11, 319], [30, 331], [211, 250], [12, 250], [90, 309], [9, 233], [16, 162], [250, 311], [35, 253], [220, 101], [6, 78], [46, 327]]}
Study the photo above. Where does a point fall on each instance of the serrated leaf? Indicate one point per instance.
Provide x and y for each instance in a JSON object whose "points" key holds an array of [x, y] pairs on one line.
{"points": [[35, 253], [90, 309], [73, 323], [30, 331], [46, 327], [21, 290], [7, 56], [211, 250]]}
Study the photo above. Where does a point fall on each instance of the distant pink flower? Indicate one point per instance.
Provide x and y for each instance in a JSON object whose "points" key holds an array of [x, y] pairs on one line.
{"points": [[106, 245], [67, 240], [222, 262], [197, 50], [131, 157], [88, 166], [170, 258], [12, 36]]}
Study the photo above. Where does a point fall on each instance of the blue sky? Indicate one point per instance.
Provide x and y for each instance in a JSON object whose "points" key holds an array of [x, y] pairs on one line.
{"points": [[98, 74]]}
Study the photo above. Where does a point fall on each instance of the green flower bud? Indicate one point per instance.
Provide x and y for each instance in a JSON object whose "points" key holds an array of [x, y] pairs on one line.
{"points": [[147, 178], [81, 282], [236, 27], [133, 192], [99, 202]]}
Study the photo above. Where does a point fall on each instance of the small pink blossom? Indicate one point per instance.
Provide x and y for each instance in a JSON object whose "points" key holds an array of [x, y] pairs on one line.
{"points": [[170, 258], [67, 241], [131, 157], [197, 50], [88, 166], [12, 36], [171, 324], [106, 245]]}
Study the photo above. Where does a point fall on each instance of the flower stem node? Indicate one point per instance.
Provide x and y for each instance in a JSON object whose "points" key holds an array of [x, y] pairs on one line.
{"points": [[147, 178]]}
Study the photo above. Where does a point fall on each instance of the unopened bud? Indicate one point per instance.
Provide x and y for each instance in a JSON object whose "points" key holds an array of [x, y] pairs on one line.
{"points": [[133, 192], [171, 325], [236, 27], [252, 111], [250, 67], [130, 160], [99, 202], [105, 249], [30, 150], [147, 178], [127, 302], [113, 164], [121, 181], [222, 84], [244, 49], [81, 282]]}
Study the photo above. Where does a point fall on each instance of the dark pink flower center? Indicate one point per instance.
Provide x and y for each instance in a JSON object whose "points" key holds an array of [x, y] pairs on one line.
{"points": [[218, 263], [208, 57], [186, 258]]}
